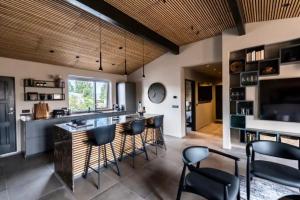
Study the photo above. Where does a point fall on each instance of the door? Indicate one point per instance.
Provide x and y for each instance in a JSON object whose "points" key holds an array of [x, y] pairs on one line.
{"points": [[190, 104], [219, 102], [7, 115]]}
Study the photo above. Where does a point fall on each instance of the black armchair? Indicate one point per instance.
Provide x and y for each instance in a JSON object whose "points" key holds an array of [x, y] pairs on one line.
{"points": [[210, 183], [272, 171]]}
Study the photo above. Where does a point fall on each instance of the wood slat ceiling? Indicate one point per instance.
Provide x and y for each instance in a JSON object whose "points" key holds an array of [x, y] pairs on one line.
{"points": [[29, 29], [263, 10], [181, 21], [173, 19]]}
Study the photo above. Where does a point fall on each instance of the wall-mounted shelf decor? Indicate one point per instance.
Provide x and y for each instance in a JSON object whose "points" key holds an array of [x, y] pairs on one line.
{"points": [[43, 96], [249, 78], [290, 54], [269, 67], [245, 107], [238, 121], [262, 60], [238, 93]]}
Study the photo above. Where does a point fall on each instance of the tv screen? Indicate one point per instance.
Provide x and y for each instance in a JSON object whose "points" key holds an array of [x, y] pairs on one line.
{"points": [[204, 93], [280, 99]]}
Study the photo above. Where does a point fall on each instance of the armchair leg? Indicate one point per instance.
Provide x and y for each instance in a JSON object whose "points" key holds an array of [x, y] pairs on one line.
{"points": [[248, 186]]}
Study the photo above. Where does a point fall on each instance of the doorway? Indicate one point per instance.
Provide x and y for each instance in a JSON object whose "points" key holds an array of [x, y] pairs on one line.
{"points": [[206, 109], [190, 105], [7, 115]]}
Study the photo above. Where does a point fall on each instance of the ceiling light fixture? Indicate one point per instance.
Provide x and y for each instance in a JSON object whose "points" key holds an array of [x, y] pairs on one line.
{"points": [[125, 64], [285, 5], [100, 48], [143, 59]]}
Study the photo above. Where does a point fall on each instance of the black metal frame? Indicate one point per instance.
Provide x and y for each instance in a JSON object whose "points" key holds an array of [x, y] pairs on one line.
{"points": [[112, 15], [158, 138], [88, 158], [191, 166], [133, 153]]}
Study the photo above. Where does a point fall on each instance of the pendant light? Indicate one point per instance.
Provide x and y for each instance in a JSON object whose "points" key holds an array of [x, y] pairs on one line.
{"points": [[125, 72], [143, 59], [100, 56]]}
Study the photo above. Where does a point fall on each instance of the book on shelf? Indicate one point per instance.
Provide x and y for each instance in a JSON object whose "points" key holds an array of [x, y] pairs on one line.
{"points": [[257, 55], [262, 54], [248, 57], [253, 56]]}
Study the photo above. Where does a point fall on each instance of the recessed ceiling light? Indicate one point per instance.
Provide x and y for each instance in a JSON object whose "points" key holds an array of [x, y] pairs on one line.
{"points": [[286, 5], [51, 51]]}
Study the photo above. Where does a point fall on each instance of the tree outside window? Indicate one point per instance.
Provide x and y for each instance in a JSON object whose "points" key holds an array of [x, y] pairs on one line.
{"points": [[87, 95]]}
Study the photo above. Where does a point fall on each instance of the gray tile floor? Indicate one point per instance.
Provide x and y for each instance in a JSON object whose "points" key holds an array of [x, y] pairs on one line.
{"points": [[155, 179]]}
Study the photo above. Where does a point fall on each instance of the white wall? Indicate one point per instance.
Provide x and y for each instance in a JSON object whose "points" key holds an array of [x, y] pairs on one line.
{"points": [[257, 34], [168, 69], [20, 70]]}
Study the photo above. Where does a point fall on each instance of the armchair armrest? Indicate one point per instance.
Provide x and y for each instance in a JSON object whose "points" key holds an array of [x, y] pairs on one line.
{"points": [[225, 154]]}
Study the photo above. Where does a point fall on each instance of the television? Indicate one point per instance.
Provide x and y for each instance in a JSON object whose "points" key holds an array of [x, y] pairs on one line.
{"points": [[279, 99], [204, 94]]}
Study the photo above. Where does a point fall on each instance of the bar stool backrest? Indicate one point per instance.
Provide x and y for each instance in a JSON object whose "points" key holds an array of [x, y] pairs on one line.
{"points": [[158, 121], [138, 126], [102, 135]]}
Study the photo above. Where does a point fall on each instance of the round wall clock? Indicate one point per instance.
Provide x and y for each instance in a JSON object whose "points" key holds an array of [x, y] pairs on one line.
{"points": [[156, 93]]}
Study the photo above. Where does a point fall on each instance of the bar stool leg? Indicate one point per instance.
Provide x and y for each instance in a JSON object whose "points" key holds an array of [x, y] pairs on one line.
{"points": [[116, 163], [156, 140], [162, 137], [105, 157], [123, 147], [98, 168], [146, 135], [88, 158], [133, 148], [144, 147]]}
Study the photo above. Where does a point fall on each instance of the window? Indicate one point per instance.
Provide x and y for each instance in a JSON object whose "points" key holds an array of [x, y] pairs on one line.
{"points": [[88, 95]]}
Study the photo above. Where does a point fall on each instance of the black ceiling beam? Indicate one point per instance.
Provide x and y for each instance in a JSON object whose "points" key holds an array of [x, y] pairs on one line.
{"points": [[110, 14], [238, 15]]}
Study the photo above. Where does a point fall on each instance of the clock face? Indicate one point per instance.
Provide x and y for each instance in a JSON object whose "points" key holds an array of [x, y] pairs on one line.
{"points": [[157, 93]]}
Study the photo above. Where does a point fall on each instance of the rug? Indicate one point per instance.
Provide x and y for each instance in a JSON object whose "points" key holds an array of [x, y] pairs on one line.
{"points": [[265, 190]]}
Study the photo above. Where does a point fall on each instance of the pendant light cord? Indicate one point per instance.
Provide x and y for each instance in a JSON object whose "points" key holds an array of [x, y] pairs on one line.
{"points": [[125, 55], [100, 56], [143, 58]]}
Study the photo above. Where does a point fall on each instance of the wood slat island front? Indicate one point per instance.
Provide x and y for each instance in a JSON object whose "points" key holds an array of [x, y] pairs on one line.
{"points": [[70, 149]]}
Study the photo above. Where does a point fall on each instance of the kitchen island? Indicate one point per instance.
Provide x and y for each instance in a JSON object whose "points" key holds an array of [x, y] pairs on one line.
{"points": [[37, 135], [70, 149]]}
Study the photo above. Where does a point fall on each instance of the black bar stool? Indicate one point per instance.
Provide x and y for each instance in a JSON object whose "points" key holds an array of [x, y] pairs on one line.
{"points": [[96, 138], [157, 133], [137, 127]]}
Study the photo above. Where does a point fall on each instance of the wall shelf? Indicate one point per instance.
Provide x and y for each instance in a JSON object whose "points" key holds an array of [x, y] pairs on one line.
{"points": [[43, 96]]}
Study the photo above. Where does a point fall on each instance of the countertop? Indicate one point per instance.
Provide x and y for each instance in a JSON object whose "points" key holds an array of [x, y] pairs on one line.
{"points": [[104, 121], [75, 115]]}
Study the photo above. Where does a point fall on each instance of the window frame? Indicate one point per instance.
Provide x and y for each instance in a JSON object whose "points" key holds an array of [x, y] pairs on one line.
{"points": [[95, 109]]}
